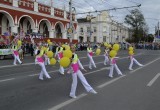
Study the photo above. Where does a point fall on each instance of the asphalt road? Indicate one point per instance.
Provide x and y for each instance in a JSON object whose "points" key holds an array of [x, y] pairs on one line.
{"points": [[20, 88]]}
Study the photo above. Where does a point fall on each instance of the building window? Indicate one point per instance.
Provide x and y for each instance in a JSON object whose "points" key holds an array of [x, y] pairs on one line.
{"points": [[88, 29], [88, 38], [95, 29], [95, 39], [104, 29], [81, 30], [104, 38]]}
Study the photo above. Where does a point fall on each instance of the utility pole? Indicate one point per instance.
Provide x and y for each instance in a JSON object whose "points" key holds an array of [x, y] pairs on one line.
{"points": [[158, 29], [51, 3], [71, 22]]}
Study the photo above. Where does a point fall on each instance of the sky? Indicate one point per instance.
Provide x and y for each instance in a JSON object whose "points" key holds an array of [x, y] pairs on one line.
{"points": [[149, 8]]}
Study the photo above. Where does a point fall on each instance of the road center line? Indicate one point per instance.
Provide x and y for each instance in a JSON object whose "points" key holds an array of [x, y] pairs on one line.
{"points": [[110, 82], [153, 80], [145, 65], [6, 80], [67, 102]]}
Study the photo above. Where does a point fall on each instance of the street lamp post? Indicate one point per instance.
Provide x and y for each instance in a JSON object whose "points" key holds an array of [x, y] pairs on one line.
{"points": [[89, 18]]}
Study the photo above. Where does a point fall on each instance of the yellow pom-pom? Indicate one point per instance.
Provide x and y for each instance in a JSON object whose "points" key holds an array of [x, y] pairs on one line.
{"points": [[106, 44], [67, 53], [130, 48], [112, 53], [53, 61], [131, 52], [48, 40], [109, 45], [19, 43], [67, 47], [50, 54], [50, 43], [116, 47], [98, 51], [64, 62]]}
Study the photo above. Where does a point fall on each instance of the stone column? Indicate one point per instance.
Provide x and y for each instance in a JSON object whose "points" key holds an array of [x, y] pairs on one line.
{"points": [[51, 34], [14, 29]]}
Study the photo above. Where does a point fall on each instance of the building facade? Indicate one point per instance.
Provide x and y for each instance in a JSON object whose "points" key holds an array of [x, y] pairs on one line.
{"points": [[103, 29], [28, 16]]}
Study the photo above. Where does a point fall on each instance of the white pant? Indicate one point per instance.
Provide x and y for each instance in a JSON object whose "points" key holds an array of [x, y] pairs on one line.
{"points": [[16, 57], [61, 69], [134, 60], [112, 68], [43, 71], [47, 61], [83, 81], [106, 60], [91, 61]]}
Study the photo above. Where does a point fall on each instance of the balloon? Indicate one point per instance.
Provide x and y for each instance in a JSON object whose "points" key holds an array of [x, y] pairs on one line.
{"points": [[131, 52], [130, 48], [53, 61], [116, 47], [64, 62], [112, 53], [19, 43], [98, 51], [48, 40], [50, 54], [106, 44], [67, 53]]}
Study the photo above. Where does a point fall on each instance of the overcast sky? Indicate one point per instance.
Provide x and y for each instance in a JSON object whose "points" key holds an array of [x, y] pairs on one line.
{"points": [[150, 8]]}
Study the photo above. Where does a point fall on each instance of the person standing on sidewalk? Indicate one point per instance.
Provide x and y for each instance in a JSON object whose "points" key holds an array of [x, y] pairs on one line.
{"points": [[76, 72]]}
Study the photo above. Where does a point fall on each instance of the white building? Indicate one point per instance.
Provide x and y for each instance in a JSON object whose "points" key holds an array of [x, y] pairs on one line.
{"points": [[103, 29]]}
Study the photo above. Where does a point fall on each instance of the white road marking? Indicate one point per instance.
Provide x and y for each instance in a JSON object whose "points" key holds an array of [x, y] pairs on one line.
{"points": [[33, 75], [26, 64], [145, 65], [7, 80], [106, 68], [67, 102], [110, 82], [153, 80]]}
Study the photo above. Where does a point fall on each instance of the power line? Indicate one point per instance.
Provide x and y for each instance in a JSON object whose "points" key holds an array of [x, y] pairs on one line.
{"points": [[110, 9]]}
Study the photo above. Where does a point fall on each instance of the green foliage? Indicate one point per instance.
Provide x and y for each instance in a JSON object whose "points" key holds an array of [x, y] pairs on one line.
{"points": [[138, 25]]}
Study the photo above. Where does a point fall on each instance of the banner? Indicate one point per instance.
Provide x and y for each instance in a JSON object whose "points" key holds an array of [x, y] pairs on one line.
{"points": [[5, 51]]}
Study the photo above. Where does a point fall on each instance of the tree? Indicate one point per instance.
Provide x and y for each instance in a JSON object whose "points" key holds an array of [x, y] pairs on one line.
{"points": [[137, 22]]}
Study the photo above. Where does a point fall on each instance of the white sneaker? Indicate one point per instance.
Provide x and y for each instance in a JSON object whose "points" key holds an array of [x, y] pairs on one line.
{"points": [[110, 76], [105, 64], [41, 78], [73, 96], [90, 68], [14, 64], [61, 72], [130, 69], [49, 77], [93, 91], [141, 65]]}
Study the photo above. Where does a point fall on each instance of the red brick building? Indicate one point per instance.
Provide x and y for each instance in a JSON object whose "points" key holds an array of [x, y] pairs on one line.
{"points": [[33, 17]]}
